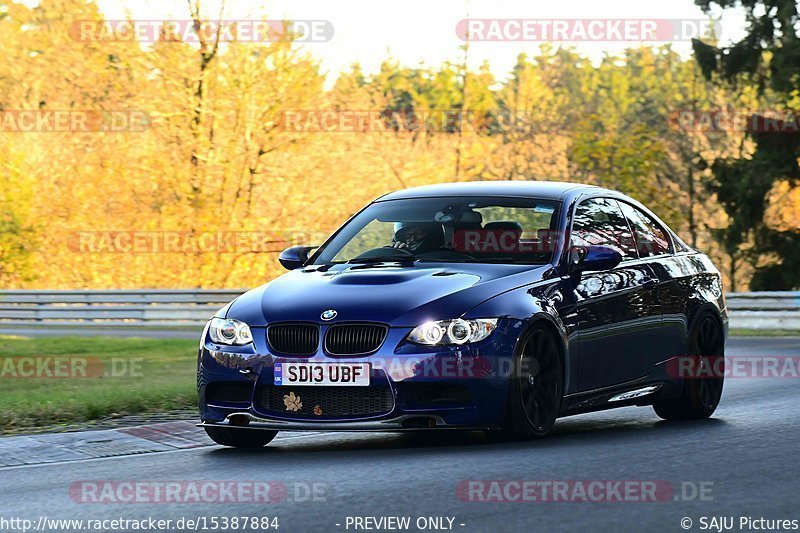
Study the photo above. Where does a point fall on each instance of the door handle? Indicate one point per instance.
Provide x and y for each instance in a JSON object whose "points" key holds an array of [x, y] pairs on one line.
{"points": [[649, 282]]}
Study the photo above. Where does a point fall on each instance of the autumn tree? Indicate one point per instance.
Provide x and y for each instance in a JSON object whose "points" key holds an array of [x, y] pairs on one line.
{"points": [[766, 59]]}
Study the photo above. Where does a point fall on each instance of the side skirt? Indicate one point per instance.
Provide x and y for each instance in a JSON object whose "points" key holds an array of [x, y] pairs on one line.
{"points": [[643, 391]]}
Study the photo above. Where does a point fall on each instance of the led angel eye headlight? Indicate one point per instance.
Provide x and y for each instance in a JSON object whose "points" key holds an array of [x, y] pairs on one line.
{"points": [[229, 331], [458, 331], [429, 333]]}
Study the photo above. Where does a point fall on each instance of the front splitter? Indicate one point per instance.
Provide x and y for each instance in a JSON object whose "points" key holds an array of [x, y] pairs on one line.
{"points": [[400, 423]]}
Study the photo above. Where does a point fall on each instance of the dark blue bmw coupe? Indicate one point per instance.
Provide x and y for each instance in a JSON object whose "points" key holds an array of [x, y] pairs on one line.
{"points": [[496, 306]]}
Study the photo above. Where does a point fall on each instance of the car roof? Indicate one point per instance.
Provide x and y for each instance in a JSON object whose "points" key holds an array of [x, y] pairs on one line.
{"points": [[546, 190]]}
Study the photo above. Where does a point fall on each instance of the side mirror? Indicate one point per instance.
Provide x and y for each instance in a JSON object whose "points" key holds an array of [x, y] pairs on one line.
{"points": [[594, 258], [294, 257]]}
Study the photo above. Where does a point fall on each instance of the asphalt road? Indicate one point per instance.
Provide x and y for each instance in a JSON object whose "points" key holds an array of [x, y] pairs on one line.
{"points": [[744, 461]]}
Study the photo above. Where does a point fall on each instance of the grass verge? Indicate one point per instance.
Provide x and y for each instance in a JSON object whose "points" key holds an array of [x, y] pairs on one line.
{"points": [[763, 333], [92, 377]]}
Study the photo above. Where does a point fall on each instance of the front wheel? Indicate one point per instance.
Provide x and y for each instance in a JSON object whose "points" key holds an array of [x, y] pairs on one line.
{"points": [[536, 387], [701, 393], [240, 438]]}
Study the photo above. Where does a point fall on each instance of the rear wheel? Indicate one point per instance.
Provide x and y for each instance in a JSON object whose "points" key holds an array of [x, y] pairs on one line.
{"points": [[700, 393], [240, 438], [536, 387]]}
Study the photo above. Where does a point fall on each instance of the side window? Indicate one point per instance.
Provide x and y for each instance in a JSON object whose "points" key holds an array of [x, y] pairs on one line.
{"points": [[599, 221], [651, 239]]}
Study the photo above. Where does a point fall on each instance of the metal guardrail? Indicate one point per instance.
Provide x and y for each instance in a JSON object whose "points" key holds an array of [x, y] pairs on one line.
{"points": [[764, 310], [112, 308], [192, 307]]}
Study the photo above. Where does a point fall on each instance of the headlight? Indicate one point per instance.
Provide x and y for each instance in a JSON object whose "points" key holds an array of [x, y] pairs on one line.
{"points": [[458, 331], [229, 331]]}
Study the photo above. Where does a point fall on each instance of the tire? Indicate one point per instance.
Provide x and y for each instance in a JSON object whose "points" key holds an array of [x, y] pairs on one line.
{"points": [[240, 438], [699, 396], [536, 388]]}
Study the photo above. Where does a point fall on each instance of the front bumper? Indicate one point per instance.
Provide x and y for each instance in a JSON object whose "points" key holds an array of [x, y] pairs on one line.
{"points": [[462, 387]]}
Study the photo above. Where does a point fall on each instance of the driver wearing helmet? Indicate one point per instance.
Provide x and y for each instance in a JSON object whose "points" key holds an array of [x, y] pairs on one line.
{"points": [[418, 237]]}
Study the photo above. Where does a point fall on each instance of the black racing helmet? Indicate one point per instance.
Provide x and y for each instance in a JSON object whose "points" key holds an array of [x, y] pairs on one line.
{"points": [[420, 237]]}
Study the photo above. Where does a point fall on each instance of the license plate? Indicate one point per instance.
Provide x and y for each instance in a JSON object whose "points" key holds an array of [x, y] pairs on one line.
{"points": [[322, 374]]}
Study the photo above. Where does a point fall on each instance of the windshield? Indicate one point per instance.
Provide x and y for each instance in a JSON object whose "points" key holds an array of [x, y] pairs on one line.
{"points": [[467, 229]]}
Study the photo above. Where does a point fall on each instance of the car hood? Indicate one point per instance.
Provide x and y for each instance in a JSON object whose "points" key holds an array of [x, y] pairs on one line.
{"points": [[400, 296]]}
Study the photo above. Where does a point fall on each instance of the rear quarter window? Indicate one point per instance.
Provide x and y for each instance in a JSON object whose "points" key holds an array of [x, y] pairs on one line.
{"points": [[651, 239]]}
